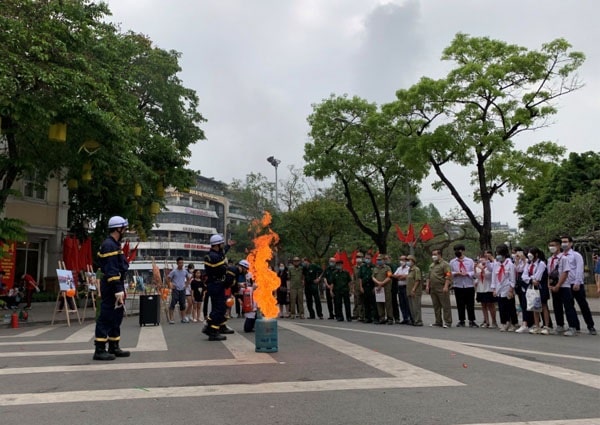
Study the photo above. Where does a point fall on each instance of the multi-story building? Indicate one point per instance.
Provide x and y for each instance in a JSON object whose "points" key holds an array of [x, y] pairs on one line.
{"points": [[182, 229], [44, 208]]}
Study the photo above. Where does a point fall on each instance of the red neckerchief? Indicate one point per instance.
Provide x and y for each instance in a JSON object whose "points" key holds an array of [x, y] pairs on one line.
{"points": [[461, 266], [501, 271]]}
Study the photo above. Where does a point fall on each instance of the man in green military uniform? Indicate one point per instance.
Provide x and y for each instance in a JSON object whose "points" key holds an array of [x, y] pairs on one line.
{"points": [[414, 289], [312, 276], [341, 291], [438, 286], [366, 286], [328, 278], [382, 278], [359, 298], [296, 285]]}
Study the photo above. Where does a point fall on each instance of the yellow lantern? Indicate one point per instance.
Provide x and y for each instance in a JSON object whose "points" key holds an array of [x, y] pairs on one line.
{"points": [[58, 132], [160, 189], [90, 146], [154, 208], [86, 175], [137, 189], [72, 184]]}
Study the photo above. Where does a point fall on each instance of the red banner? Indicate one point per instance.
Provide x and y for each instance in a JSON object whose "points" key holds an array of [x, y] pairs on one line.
{"points": [[8, 262]]}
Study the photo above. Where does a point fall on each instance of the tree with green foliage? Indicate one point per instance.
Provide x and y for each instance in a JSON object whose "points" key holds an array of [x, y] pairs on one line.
{"points": [[129, 119], [565, 201], [313, 228], [355, 143], [473, 117]]}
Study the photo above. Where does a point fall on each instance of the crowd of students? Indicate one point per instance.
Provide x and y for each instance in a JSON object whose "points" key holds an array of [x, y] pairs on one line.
{"points": [[387, 294]]}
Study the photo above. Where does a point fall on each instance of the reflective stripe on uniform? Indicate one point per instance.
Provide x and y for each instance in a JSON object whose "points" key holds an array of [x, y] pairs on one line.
{"points": [[111, 279], [114, 338], [101, 339], [220, 263], [110, 254]]}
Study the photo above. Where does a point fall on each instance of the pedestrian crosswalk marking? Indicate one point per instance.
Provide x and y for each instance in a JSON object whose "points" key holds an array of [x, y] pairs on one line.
{"points": [[85, 334], [537, 353], [570, 375], [151, 338], [387, 364], [31, 333]]}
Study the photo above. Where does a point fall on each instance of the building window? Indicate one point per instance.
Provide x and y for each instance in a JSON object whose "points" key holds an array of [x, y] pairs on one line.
{"points": [[34, 187]]}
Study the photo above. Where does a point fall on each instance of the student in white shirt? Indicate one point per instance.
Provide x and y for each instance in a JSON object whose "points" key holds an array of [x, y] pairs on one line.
{"points": [[484, 294], [503, 285], [536, 274]]}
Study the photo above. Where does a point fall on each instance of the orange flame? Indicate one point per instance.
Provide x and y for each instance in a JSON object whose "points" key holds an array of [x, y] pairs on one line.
{"points": [[266, 279]]}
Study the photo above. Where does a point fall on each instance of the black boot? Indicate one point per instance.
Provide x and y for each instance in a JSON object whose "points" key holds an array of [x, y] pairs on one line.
{"points": [[113, 348], [214, 335], [224, 329], [101, 353]]}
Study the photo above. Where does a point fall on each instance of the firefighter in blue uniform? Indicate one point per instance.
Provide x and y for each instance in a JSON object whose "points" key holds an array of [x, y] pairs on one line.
{"points": [[215, 267], [112, 287]]}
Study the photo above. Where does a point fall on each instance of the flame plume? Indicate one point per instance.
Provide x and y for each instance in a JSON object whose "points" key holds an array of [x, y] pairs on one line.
{"points": [[266, 279]]}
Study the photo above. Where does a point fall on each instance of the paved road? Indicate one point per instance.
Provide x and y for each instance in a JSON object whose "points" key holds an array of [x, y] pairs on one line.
{"points": [[325, 372]]}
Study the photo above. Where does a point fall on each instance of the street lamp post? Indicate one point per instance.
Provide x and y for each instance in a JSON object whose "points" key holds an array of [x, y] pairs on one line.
{"points": [[275, 163]]}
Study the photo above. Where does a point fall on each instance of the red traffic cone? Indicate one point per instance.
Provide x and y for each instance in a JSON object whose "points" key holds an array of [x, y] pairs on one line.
{"points": [[14, 320]]}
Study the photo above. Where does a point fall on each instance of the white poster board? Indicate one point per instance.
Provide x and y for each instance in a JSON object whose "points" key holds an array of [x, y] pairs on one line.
{"points": [[65, 279]]}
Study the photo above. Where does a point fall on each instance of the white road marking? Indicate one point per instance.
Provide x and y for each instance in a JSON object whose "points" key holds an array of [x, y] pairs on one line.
{"points": [[207, 390], [570, 375], [151, 338], [31, 333], [114, 366], [243, 350], [537, 353], [386, 364], [590, 421], [82, 335]]}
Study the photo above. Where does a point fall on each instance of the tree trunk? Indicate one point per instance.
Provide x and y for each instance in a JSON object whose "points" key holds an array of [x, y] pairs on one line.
{"points": [[485, 231]]}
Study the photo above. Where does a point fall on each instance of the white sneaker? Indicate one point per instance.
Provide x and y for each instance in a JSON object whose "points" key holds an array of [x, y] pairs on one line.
{"points": [[558, 330], [535, 330], [570, 332], [511, 328], [522, 329], [504, 327], [545, 331]]}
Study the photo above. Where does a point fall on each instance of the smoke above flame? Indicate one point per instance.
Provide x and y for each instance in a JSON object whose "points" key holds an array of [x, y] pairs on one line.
{"points": [[266, 279]]}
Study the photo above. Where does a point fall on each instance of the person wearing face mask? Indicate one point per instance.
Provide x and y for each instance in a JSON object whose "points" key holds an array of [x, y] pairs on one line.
{"points": [[536, 274], [282, 291], [312, 278], [113, 264], [400, 275], [382, 279], [366, 287], [394, 287], [463, 271], [566, 278], [437, 285], [503, 285], [328, 280], [553, 276], [485, 295], [520, 261], [341, 292], [296, 286], [577, 283], [358, 313], [414, 288]]}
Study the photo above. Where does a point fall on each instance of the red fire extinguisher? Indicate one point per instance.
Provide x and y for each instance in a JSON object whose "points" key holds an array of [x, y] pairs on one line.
{"points": [[14, 320], [247, 300]]}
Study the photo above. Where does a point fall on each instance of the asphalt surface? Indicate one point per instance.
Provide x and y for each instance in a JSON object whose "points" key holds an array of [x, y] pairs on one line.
{"points": [[325, 372]]}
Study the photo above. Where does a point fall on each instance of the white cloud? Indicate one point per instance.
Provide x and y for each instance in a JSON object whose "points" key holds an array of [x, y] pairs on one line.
{"points": [[258, 66]]}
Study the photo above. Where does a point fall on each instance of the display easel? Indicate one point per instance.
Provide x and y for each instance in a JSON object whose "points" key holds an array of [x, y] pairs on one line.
{"points": [[92, 290], [65, 287]]}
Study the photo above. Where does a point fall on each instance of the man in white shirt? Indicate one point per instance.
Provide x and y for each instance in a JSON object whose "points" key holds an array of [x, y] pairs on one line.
{"points": [[567, 277], [578, 287], [400, 274], [463, 270]]}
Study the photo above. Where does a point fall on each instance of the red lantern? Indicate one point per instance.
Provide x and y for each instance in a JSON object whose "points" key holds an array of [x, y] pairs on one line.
{"points": [[70, 292], [230, 301]]}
